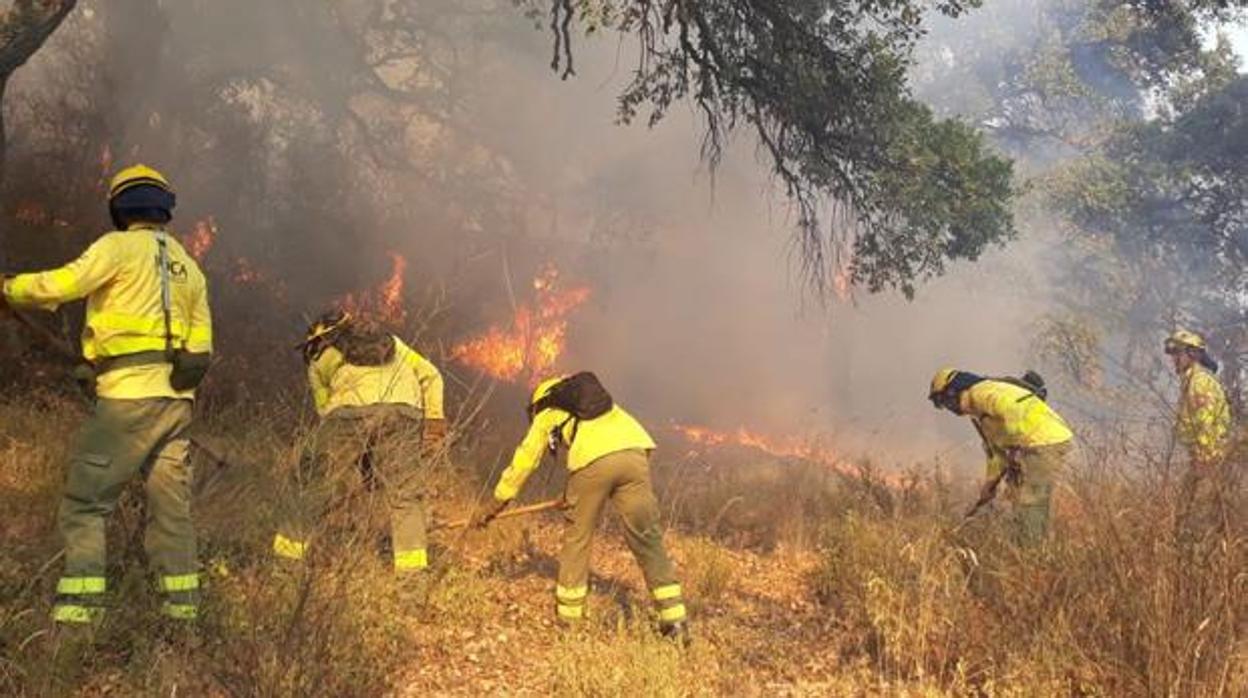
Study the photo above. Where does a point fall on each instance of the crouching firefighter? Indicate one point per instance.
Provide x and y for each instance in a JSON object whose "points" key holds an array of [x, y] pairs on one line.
{"points": [[608, 455], [1026, 442], [380, 404], [148, 338]]}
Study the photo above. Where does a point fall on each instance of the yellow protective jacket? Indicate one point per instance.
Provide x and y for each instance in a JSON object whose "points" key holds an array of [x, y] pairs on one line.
{"points": [[614, 431], [1203, 422], [1008, 417], [407, 379], [119, 275]]}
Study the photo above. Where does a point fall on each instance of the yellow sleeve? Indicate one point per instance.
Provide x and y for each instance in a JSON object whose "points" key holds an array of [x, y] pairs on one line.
{"points": [[430, 378], [528, 455], [78, 279], [320, 372], [199, 329]]}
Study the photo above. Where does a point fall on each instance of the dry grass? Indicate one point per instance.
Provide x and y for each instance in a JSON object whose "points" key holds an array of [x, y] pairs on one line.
{"points": [[802, 582], [628, 659], [1117, 603]]}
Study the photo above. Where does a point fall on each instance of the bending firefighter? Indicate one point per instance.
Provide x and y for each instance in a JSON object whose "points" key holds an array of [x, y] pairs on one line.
{"points": [[1203, 420], [380, 405], [608, 454], [1026, 442], [148, 338]]}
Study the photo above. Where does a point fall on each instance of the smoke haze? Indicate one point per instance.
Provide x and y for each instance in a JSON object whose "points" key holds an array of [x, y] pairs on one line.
{"points": [[698, 315]]}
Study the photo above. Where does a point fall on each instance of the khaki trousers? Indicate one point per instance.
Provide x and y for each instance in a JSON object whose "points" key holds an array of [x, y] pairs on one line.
{"points": [[623, 478], [121, 440], [356, 453]]}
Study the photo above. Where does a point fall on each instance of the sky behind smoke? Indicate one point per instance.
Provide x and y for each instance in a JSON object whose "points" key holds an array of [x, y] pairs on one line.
{"points": [[1238, 35]]}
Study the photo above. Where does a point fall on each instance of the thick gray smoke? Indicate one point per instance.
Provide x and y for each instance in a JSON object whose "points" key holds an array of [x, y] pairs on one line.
{"points": [[698, 315]]}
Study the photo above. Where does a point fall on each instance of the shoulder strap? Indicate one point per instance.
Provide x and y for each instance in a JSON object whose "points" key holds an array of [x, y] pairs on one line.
{"points": [[166, 293], [1020, 383], [556, 434]]}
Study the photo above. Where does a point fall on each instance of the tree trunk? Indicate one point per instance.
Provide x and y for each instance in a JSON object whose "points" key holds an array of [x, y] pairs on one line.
{"points": [[23, 30]]}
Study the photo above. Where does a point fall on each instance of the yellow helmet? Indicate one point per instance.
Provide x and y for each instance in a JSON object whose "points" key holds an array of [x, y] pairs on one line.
{"points": [[136, 175], [941, 381], [544, 387], [325, 325], [1181, 340]]}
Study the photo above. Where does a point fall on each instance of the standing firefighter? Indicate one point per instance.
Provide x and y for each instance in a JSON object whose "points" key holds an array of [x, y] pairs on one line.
{"points": [[148, 338], [1202, 426], [1203, 422], [380, 404], [608, 454], [1026, 442]]}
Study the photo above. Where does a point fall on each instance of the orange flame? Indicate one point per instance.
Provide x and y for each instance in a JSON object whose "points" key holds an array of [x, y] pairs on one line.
{"points": [[106, 163], [245, 272], [807, 450], [842, 283], [392, 290], [201, 238], [386, 300], [535, 340], [31, 213]]}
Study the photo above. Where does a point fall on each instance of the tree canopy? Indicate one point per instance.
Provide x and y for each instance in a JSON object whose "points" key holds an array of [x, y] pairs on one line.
{"points": [[822, 84]]}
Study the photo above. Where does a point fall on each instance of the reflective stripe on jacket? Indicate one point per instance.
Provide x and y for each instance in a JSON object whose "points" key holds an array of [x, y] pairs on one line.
{"points": [[1010, 416], [1204, 416], [614, 431], [407, 379], [119, 275]]}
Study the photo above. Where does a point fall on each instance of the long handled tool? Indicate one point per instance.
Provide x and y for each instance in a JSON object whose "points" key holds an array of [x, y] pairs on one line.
{"points": [[518, 511], [1011, 472], [50, 339]]}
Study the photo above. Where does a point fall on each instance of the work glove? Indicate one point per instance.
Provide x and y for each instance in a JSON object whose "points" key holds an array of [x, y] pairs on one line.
{"points": [[433, 436], [486, 512]]}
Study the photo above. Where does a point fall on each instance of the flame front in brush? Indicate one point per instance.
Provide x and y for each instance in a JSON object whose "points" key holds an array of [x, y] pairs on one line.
{"points": [[782, 448], [391, 294], [531, 345], [386, 301]]}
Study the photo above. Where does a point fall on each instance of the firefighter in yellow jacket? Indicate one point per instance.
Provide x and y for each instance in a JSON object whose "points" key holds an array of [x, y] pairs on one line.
{"points": [[148, 337], [1022, 436], [608, 455], [1203, 419], [380, 404]]}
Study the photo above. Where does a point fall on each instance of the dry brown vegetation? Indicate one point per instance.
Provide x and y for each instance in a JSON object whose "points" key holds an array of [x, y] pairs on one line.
{"points": [[801, 582]]}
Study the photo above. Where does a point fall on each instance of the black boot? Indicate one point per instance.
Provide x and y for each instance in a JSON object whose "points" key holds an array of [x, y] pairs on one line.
{"points": [[677, 631]]}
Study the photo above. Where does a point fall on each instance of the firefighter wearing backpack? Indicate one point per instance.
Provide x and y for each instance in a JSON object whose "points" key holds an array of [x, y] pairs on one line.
{"points": [[147, 337], [1202, 426], [608, 455], [1203, 419], [1024, 439], [380, 404]]}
